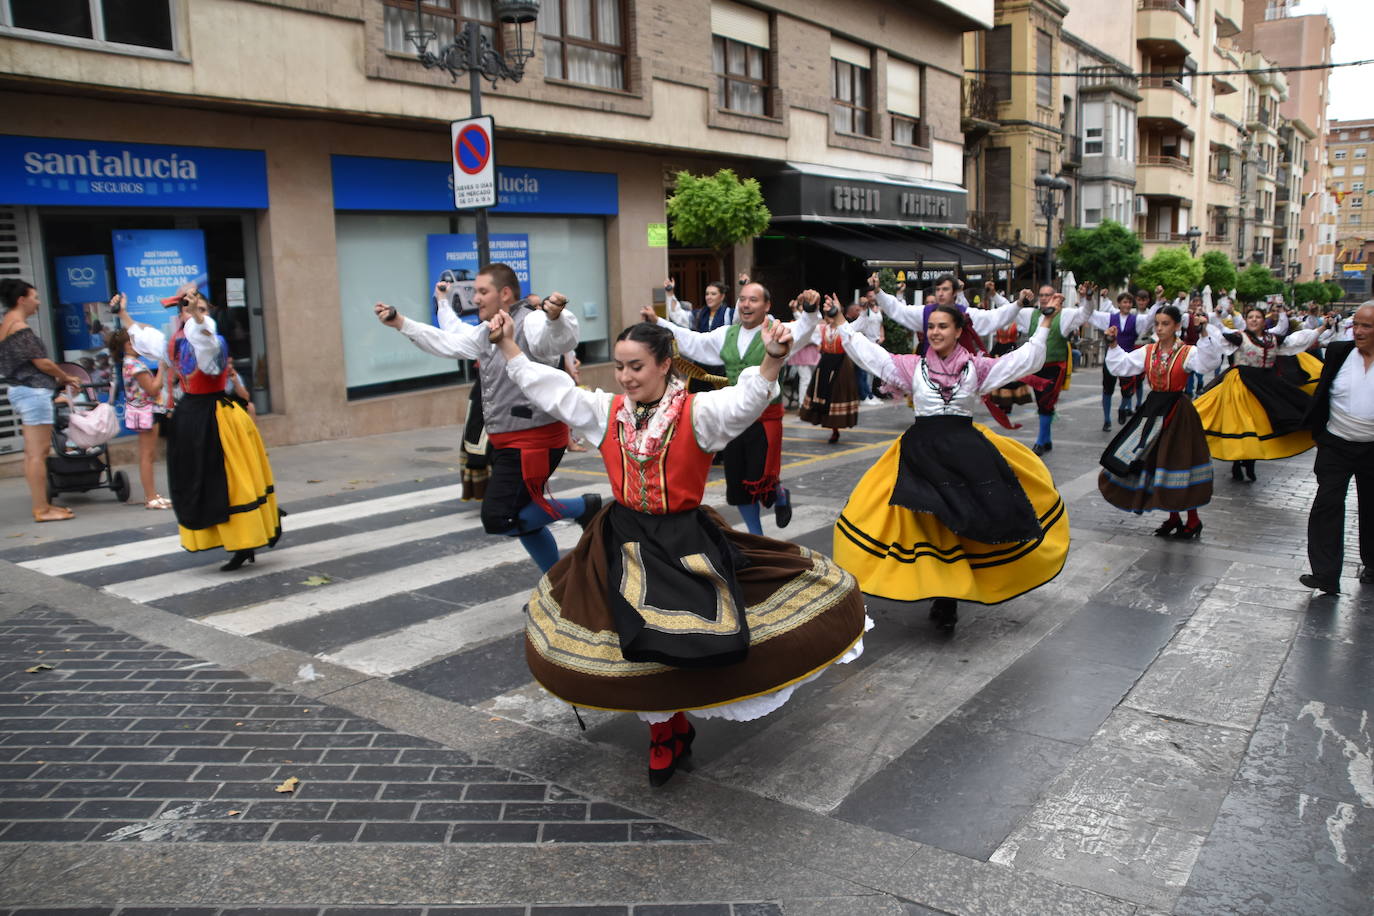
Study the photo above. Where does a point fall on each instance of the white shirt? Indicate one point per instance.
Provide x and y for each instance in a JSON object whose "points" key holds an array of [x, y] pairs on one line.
{"points": [[1352, 401], [717, 416], [706, 347], [1205, 357], [985, 321], [201, 335], [545, 340]]}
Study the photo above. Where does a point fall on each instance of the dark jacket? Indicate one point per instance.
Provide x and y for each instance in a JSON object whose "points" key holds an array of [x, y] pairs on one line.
{"points": [[1320, 411]]}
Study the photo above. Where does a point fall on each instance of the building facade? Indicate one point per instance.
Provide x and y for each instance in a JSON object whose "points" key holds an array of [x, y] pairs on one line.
{"points": [[294, 157], [1350, 146]]}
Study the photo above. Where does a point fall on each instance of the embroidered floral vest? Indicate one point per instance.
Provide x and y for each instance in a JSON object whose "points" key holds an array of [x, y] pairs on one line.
{"points": [[672, 480]]}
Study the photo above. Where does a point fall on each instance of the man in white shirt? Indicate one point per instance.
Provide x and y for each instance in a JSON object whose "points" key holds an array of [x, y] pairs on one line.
{"points": [[527, 442], [1342, 423]]}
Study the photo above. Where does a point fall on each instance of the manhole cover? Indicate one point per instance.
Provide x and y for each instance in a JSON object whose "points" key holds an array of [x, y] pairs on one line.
{"points": [[435, 448]]}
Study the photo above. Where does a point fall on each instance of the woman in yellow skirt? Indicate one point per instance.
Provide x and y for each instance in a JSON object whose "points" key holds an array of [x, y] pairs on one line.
{"points": [[1254, 411], [952, 511], [217, 469]]}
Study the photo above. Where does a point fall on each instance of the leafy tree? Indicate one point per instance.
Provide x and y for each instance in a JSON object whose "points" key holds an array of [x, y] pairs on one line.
{"points": [[1335, 292], [1172, 268], [1218, 272], [1105, 255], [1311, 292], [716, 212], [1255, 282], [896, 337]]}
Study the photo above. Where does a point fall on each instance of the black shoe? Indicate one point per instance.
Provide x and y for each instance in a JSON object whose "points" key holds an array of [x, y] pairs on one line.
{"points": [[1237, 473], [1367, 576], [1250, 471], [782, 508], [1188, 532], [1041, 448], [1106, 426], [1168, 528], [1123, 415], [238, 560], [591, 503], [1330, 588], [945, 613]]}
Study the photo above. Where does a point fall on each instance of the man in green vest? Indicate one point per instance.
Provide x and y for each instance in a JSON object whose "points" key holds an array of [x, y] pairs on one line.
{"points": [[753, 460], [1049, 381]]}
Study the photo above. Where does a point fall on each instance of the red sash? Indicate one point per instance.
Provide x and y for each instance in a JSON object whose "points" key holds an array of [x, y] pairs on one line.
{"points": [[534, 445]]}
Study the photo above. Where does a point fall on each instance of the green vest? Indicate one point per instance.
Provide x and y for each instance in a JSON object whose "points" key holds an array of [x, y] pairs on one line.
{"points": [[735, 363], [1056, 348]]}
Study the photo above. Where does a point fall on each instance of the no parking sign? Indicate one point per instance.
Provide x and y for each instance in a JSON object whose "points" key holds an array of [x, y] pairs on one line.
{"points": [[474, 165]]}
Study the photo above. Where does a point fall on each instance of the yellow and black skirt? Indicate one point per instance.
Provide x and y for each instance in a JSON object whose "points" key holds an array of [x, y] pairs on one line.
{"points": [[952, 510], [617, 623], [219, 477], [1253, 414]]}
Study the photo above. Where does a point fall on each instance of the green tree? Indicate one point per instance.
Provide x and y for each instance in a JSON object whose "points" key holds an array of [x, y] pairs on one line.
{"points": [[716, 212], [1311, 291], [896, 337], [1218, 272], [1105, 255], [1335, 292], [1255, 282], [1172, 268]]}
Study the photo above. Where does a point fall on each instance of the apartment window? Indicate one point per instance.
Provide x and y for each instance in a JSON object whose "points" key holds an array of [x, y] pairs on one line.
{"points": [[1364, 135], [1092, 205], [1360, 152], [998, 165], [1354, 217], [851, 93], [999, 58], [1125, 131], [1357, 202], [1044, 63], [143, 25], [584, 42], [1092, 128], [1357, 170], [1340, 186], [1357, 187], [904, 102], [1338, 155], [1338, 171], [739, 53]]}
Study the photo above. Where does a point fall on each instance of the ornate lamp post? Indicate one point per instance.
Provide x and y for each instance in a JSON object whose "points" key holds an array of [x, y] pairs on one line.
{"points": [[472, 53], [1047, 187], [1192, 235]]}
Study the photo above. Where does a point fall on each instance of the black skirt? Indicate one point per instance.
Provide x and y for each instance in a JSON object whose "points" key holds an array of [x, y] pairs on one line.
{"points": [[1284, 402], [196, 479], [951, 471]]}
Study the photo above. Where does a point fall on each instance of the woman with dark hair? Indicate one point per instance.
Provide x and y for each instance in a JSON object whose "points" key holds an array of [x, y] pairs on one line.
{"points": [[952, 511], [33, 380], [662, 607], [1159, 459], [716, 313], [1253, 413], [832, 400], [217, 469]]}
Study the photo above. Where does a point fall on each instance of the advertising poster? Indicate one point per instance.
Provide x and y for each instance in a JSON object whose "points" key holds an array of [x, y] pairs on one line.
{"points": [[83, 297], [152, 264], [458, 253]]}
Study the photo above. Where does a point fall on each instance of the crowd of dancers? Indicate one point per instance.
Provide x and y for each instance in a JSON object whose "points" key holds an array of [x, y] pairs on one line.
{"points": [[664, 608]]}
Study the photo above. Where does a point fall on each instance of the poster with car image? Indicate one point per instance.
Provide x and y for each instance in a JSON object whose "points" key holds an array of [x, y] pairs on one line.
{"points": [[456, 254]]}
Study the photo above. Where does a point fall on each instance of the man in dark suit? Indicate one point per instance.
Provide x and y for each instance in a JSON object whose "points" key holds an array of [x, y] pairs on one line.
{"points": [[1342, 422]]}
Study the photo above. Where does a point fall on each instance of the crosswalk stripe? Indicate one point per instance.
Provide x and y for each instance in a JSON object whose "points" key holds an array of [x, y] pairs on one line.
{"points": [[323, 600], [133, 551]]}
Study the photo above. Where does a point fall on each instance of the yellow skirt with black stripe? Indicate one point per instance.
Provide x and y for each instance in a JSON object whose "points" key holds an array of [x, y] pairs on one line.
{"points": [[253, 520], [1239, 427], [903, 555]]}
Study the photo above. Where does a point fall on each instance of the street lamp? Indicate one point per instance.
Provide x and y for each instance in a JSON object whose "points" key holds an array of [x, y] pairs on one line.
{"points": [[472, 53], [1046, 186], [1192, 235]]}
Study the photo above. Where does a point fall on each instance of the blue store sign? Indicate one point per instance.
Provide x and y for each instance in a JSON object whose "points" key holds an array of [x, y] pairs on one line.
{"points": [[90, 173], [367, 183]]}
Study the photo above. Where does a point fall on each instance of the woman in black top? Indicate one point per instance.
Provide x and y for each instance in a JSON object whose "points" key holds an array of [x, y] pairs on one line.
{"points": [[33, 379]]}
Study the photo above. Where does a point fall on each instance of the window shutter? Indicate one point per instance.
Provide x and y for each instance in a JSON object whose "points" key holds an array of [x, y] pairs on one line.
{"points": [[903, 88], [998, 184], [999, 58], [740, 23], [850, 53]]}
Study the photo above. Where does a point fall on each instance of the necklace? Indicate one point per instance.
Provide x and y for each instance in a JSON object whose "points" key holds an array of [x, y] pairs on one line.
{"points": [[643, 412]]}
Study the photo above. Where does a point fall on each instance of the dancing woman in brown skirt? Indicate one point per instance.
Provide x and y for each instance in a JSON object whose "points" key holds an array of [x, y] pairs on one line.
{"points": [[832, 399], [1159, 459], [662, 607]]}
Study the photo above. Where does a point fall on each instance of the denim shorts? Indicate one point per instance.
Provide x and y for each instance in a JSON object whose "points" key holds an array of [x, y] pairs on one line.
{"points": [[34, 405]]}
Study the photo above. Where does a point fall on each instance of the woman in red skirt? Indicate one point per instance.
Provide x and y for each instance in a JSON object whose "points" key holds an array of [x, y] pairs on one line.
{"points": [[662, 607]]}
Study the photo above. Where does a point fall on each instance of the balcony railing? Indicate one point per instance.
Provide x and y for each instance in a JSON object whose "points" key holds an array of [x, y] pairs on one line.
{"points": [[1150, 235], [1073, 151], [1175, 162], [1104, 77], [984, 222], [1164, 82], [1224, 176], [980, 101], [1260, 115], [1217, 238], [1168, 5]]}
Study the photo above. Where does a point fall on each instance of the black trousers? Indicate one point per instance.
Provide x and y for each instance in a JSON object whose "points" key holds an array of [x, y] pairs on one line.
{"points": [[1337, 461]]}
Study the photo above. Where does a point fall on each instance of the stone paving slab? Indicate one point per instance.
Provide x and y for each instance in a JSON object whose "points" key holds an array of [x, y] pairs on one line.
{"points": [[107, 738], [645, 909]]}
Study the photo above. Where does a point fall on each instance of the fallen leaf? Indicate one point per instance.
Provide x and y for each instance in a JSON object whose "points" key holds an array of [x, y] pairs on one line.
{"points": [[289, 786], [238, 723], [314, 481], [317, 580], [37, 668], [232, 813]]}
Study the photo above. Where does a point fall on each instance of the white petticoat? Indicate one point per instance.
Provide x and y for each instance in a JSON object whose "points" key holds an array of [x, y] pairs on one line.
{"points": [[760, 706]]}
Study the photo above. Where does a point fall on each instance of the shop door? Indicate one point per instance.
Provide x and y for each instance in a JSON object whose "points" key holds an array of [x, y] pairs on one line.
{"points": [[691, 270]]}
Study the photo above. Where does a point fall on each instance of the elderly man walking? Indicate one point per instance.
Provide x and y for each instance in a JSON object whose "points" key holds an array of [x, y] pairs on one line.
{"points": [[1342, 423]]}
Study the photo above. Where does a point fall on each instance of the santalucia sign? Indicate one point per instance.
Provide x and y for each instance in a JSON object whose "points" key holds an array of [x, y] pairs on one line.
{"points": [[94, 173]]}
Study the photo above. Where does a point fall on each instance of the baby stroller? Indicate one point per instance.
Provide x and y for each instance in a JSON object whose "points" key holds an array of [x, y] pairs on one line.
{"points": [[72, 469]]}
